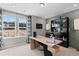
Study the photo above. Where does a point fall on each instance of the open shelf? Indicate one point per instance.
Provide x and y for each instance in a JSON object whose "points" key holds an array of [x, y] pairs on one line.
{"points": [[60, 28]]}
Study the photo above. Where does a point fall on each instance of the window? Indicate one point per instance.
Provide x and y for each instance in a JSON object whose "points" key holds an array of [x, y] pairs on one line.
{"points": [[22, 26], [9, 26]]}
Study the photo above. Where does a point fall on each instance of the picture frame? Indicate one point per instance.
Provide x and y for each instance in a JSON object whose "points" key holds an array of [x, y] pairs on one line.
{"points": [[76, 24]]}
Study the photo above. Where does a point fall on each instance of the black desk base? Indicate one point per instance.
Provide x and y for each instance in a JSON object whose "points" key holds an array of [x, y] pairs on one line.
{"points": [[46, 51]]}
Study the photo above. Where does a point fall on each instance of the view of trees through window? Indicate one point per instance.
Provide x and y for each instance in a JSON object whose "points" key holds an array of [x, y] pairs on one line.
{"points": [[22, 26], [9, 26], [22, 23], [9, 22]]}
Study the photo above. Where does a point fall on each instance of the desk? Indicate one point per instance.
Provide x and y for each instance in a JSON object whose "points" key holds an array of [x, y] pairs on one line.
{"points": [[41, 40]]}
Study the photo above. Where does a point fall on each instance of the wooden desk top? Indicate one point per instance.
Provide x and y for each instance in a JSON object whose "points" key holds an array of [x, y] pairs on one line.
{"points": [[43, 40]]}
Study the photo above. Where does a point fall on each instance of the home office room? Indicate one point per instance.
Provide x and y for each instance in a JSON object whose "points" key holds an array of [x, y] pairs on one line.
{"points": [[39, 29]]}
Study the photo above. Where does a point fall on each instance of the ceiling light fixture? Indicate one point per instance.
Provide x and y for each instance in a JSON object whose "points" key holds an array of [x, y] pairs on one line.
{"points": [[42, 5], [13, 6]]}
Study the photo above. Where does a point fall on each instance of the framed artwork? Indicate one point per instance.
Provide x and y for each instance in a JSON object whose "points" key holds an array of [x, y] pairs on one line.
{"points": [[76, 24]]}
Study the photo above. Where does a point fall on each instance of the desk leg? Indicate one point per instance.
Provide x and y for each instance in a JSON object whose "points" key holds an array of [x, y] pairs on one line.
{"points": [[46, 52], [33, 44]]}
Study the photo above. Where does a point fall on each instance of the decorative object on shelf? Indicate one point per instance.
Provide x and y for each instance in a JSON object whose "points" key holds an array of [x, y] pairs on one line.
{"points": [[51, 39], [34, 34]]}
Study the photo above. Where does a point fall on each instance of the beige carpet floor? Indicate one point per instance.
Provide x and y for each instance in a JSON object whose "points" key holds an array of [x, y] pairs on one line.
{"points": [[26, 51], [67, 52]]}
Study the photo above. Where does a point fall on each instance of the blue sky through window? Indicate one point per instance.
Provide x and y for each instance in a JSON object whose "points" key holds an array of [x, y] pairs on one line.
{"points": [[12, 19], [22, 20], [9, 18]]}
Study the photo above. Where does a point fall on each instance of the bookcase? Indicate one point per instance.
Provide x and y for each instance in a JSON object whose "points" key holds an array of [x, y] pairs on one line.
{"points": [[60, 28], [29, 27], [0, 27], [65, 31]]}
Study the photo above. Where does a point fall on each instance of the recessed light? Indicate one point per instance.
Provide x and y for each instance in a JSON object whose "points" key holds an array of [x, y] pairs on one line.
{"points": [[75, 5], [42, 5], [13, 5]]}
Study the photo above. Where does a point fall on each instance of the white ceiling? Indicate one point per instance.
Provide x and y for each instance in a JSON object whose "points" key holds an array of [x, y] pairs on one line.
{"points": [[49, 10]]}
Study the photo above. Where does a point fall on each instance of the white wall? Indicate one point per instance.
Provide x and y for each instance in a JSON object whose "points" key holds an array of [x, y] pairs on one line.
{"points": [[40, 21]]}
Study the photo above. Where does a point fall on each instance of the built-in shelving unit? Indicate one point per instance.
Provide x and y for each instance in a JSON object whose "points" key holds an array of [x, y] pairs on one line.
{"points": [[65, 31], [55, 25], [0, 27], [29, 26], [60, 28]]}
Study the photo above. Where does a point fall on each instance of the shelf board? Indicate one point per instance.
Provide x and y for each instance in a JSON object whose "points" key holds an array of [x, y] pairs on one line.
{"points": [[22, 27], [8, 27], [28, 26]]}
